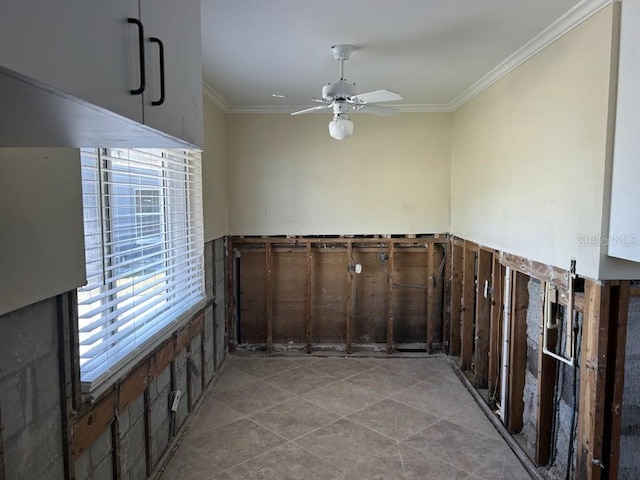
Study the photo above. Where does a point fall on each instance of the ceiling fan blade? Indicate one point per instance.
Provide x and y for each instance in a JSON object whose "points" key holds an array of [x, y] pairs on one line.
{"points": [[309, 110], [376, 110], [377, 97]]}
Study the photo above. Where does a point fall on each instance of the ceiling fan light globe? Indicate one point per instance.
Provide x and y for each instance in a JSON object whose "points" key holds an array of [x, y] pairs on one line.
{"points": [[340, 129]]}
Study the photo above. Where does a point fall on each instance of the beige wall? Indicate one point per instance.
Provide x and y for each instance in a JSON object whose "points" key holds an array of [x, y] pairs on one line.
{"points": [[214, 173], [41, 231], [530, 153], [287, 176]]}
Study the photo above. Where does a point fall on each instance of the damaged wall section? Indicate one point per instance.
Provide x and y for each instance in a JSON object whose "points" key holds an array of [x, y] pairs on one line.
{"points": [[630, 434]]}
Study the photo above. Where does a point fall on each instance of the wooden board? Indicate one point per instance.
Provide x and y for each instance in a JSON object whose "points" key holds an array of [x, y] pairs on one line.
{"points": [[517, 351], [253, 327], [457, 267], [482, 319], [369, 321], [289, 297], [495, 342], [546, 376], [468, 305]]}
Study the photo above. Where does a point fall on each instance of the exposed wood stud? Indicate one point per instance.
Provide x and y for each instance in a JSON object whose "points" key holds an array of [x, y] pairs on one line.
{"points": [[547, 367], [541, 271], [456, 298], [483, 319], [308, 310], [116, 449], [617, 374], [269, 295], [147, 432], [495, 341], [2, 474], [349, 319], [66, 373], [431, 312], [517, 352], [189, 380], [468, 301], [390, 267], [230, 296], [203, 360], [592, 381], [446, 320]]}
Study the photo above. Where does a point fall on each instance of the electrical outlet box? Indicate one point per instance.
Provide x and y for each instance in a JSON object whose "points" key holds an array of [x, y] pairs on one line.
{"points": [[176, 400]]}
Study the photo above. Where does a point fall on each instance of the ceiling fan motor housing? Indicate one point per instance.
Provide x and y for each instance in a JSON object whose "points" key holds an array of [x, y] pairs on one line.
{"points": [[339, 91]]}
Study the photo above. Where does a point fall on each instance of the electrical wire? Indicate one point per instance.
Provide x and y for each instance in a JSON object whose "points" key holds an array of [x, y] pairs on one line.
{"points": [[572, 433]]}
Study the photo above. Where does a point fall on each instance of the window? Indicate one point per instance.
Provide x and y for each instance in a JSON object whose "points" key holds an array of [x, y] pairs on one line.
{"points": [[144, 253]]}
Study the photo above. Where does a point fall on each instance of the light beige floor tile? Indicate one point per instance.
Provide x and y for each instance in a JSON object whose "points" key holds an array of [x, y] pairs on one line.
{"points": [[434, 400], [286, 462], [417, 368], [344, 443], [383, 382], [294, 418], [264, 367], [252, 397], [300, 380], [211, 415], [456, 445], [342, 398], [231, 378], [404, 462], [187, 464], [470, 416], [340, 367], [393, 419], [502, 467], [235, 443]]}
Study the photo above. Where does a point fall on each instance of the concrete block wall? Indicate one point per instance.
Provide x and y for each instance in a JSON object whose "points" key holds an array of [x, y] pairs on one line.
{"points": [[30, 393], [132, 449], [564, 404], [96, 463], [629, 466], [30, 398]]}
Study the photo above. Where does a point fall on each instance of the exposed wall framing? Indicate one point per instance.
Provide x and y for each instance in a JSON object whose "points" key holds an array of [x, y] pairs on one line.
{"points": [[475, 334], [317, 297]]}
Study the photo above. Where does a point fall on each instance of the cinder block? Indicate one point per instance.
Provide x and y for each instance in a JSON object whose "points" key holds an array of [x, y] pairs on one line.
{"points": [[159, 442], [35, 448], [132, 444], [83, 465], [12, 399], [26, 335], [104, 471], [47, 383], [163, 380], [101, 448], [138, 470]]}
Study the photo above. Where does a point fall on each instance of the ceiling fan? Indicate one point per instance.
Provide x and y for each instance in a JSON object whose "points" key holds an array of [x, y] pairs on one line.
{"points": [[342, 96]]}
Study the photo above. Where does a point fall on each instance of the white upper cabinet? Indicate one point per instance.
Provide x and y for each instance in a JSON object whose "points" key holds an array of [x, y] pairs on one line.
{"points": [[624, 226], [173, 29], [102, 54]]}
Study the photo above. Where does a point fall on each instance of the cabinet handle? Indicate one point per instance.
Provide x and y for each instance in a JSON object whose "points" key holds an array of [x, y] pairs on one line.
{"points": [[161, 51], [138, 91]]}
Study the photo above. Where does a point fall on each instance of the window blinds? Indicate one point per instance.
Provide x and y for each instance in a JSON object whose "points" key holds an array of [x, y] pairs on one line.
{"points": [[144, 252]]}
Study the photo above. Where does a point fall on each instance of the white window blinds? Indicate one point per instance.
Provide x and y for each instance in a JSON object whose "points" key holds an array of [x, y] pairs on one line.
{"points": [[144, 253]]}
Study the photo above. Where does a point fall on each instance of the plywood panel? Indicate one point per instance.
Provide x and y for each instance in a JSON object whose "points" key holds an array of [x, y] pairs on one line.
{"points": [[370, 297], [289, 277], [253, 326], [329, 295]]}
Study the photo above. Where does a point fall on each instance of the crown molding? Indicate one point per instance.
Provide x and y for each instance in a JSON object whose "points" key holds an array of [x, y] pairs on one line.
{"points": [[215, 98], [574, 17]]}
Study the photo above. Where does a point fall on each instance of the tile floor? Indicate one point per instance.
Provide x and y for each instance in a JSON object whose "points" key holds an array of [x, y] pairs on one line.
{"points": [[341, 418]]}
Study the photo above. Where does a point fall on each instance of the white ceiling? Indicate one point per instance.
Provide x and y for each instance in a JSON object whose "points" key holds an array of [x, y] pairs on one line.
{"points": [[435, 53]]}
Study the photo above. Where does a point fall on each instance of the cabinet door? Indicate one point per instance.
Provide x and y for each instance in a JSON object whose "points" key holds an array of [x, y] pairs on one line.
{"points": [[177, 25], [84, 48]]}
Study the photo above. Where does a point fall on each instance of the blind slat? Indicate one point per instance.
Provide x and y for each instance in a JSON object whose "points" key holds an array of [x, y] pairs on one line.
{"points": [[144, 249]]}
